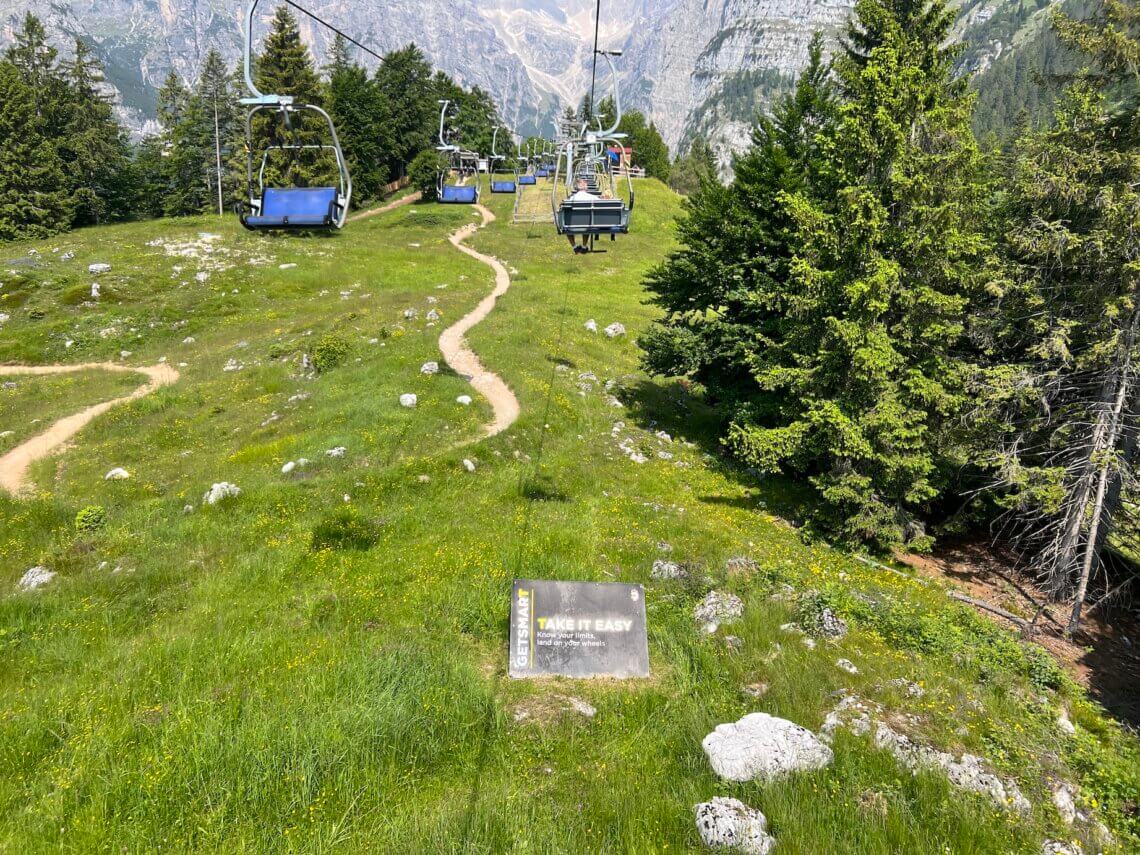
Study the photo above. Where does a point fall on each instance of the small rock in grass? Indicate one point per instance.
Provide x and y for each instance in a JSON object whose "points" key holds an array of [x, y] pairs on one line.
{"points": [[288, 467], [614, 330], [232, 365], [716, 608], [5, 317], [733, 642], [469, 465], [423, 479], [95, 290], [409, 314], [847, 665], [464, 400], [592, 325], [831, 625], [117, 474], [725, 823], [220, 491], [1056, 847], [35, 578], [1064, 725], [763, 746], [756, 690], [408, 399], [188, 340], [740, 566], [429, 368], [286, 266], [96, 269], [668, 570], [580, 706], [125, 354], [910, 688], [339, 451], [433, 315], [1064, 801]]}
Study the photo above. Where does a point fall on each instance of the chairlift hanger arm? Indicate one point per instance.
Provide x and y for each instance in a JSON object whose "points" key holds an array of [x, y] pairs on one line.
{"points": [[257, 95]]}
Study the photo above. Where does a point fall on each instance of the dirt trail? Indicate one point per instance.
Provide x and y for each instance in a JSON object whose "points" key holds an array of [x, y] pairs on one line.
{"points": [[410, 199], [454, 346], [15, 464]]}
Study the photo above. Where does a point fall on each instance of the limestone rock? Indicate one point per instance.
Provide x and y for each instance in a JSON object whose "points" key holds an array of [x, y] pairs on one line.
{"points": [[408, 399], [729, 823], [592, 325], [464, 400], [469, 465], [339, 451], [221, 490], [35, 577], [429, 368], [668, 570], [1056, 847], [763, 746], [614, 330], [96, 269], [716, 608], [117, 474]]}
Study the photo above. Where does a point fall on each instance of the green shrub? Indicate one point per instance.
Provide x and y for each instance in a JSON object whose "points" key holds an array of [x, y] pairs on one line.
{"points": [[91, 519], [424, 171], [330, 351]]}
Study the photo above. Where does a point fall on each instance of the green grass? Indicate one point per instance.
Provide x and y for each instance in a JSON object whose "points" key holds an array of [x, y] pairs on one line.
{"points": [[29, 405], [289, 670]]}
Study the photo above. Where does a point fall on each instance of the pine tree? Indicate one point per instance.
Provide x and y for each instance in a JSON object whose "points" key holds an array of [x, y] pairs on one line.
{"points": [[1059, 411], [34, 196], [94, 145], [362, 122], [405, 84], [224, 129], [285, 67]]}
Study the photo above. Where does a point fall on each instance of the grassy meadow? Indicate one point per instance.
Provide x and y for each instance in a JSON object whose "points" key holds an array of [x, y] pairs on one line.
{"points": [[319, 664]]}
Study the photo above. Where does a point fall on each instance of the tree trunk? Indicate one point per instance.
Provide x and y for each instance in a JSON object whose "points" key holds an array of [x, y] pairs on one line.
{"points": [[1106, 459]]}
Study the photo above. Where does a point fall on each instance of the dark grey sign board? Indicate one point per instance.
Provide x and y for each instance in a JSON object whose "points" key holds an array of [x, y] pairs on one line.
{"points": [[578, 629]]}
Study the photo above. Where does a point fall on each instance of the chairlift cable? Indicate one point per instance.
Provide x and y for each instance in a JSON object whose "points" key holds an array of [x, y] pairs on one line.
{"points": [[594, 70], [336, 30]]}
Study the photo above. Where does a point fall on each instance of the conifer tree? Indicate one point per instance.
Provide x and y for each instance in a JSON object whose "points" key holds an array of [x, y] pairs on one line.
{"points": [[361, 119], [404, 79], [285, 67], [224, 130], [34, 197], [94, 145]]}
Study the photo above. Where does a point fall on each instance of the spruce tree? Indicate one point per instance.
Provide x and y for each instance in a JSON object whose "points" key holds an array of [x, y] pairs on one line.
{"points": [[224, 129], [34, 196], [94, 145], [361, 119], [405, 84], [285, 67]]}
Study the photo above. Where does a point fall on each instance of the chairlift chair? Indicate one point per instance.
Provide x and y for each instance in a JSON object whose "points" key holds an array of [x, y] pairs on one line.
{"points": [[459, 162], [583, 158], [321, 207], [500, 184]]}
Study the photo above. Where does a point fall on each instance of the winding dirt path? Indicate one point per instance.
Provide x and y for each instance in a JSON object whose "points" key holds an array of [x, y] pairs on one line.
{"points": [[410, 199], [15, 464], [454, 346]]}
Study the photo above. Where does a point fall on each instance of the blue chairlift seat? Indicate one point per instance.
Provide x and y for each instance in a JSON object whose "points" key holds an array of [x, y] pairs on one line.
{"points": [[507, 186], [459, 194], [542, 172], [295, 207], [593, 217], [527, 180]]}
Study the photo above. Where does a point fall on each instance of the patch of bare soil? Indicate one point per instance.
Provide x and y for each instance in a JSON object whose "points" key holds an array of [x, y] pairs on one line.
{"points": [[1104, 654]]}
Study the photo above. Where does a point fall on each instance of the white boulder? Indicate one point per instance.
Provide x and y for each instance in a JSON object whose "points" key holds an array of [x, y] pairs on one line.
{"points": [[614, 330], [429, 368], [592, 325], [469, 465], [667, 570], [117, 474], [464, 400], [763, 746], [339, 451], [35, 578], [220, 491], [725, 823], [96, 269], [716, 608], [408, 400]]}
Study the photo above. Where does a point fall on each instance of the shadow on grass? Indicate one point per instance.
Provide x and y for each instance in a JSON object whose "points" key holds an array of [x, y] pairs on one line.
{"points": [[669, 406]]}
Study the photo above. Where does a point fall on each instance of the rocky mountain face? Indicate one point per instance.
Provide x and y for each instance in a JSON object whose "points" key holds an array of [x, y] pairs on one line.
{"points": [[695, 66]]}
